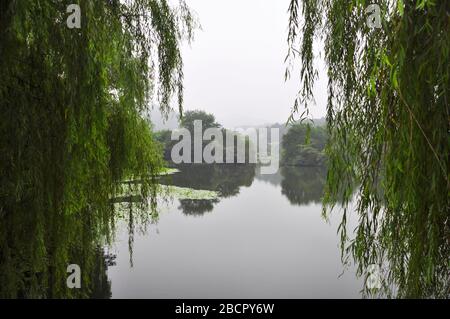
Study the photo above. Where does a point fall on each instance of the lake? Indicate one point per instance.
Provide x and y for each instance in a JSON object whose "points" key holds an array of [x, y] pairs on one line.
{"points": [[263, 237]]}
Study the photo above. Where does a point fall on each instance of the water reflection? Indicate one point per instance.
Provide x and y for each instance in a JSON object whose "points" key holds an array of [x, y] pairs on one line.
{"points": [[225, 179], [36, 249], [197, 207], [303, 185], [263, 237], [300, 185], [34, 258]]}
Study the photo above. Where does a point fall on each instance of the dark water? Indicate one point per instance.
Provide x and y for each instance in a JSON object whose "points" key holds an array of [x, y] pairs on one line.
{"points": [[263, 238]]}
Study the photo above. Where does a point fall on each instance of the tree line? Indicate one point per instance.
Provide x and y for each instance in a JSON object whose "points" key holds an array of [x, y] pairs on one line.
{"points": [[301, 144]]}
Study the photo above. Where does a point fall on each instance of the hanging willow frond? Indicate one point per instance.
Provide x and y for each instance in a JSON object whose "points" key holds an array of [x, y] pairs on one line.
{"points": [[73, 105], [388, 120]]}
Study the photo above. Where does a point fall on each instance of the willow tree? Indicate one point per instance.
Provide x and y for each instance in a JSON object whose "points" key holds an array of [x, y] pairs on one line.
{"points": [[73, 104], [388, 119]]}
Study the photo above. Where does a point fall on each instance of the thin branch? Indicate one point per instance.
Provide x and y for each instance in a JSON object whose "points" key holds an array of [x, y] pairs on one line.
{"points": [[426, 138]]}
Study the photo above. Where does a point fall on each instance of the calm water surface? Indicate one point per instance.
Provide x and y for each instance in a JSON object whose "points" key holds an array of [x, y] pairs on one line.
{"points": [[263, 238]]}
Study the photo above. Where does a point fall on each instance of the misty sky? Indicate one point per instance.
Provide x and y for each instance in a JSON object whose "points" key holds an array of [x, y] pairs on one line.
{"points": [[235, 66]]}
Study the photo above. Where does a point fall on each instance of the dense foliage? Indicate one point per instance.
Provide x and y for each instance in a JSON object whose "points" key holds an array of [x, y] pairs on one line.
{"points": [[73, 105], [187, 122], [208, 120], [303, 146], [388, 120]]}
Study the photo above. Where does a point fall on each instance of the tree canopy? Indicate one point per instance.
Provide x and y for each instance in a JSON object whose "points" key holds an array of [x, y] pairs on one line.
{"points": [[208, 120], [388, 120], [304, 146]]}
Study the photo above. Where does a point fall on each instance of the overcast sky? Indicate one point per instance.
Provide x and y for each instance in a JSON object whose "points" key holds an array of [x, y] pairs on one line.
{"points": [[235, 66]]}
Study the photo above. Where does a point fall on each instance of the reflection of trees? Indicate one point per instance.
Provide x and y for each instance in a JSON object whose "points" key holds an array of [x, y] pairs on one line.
{"points": [[303, 185], [197, 207], [101, 286], [35, 252], [225, 179], [36, 247], [272, 179]]}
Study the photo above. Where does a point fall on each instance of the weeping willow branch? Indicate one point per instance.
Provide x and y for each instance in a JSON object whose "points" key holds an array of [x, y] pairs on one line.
{"points": [[73, 105], [387, 111], [426, 138]]}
